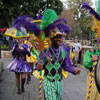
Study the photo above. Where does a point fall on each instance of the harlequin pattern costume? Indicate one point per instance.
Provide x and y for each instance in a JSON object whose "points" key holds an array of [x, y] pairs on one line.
{"points": [[53, 71], [54, 59]]}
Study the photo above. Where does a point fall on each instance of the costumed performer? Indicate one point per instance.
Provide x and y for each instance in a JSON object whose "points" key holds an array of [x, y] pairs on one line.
{"points": [[90, 61], [54, 59], [19, 65]]}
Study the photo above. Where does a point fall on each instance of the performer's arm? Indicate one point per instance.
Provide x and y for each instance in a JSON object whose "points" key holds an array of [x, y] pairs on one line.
{"points": [[28, 52], [67, 66], [26, 47], [87, 60]]}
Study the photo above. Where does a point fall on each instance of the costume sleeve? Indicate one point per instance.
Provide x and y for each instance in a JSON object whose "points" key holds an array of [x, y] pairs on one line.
{"points": [[87, 60], [25, 46], [67, 66], [28, 52]]}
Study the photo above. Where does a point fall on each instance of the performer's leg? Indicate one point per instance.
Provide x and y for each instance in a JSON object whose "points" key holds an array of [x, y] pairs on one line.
{"points": [[31, 64], [59, 90], [29, 73], [49, 90], [18, 82], [23, 76]]}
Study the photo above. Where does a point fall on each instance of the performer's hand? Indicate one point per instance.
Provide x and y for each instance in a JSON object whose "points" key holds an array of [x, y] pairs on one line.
{"points": [[94, 58], [77, 71], [39, 66]]}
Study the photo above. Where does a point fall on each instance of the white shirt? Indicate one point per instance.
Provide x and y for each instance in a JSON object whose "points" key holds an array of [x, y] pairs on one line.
{"points": [[76, 47]]}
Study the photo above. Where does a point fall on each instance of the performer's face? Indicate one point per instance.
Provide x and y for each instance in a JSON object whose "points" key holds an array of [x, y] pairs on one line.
{"points": [[56, 41], [21, 40]]}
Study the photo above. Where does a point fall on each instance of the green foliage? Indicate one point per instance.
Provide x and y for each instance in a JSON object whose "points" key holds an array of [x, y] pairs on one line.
{"points": [[4, 47], [97, 5], [10, 9], [82, 21]]}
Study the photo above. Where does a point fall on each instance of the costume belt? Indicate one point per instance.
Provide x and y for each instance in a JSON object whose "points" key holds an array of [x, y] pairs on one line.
{"points": [[52, 79]]}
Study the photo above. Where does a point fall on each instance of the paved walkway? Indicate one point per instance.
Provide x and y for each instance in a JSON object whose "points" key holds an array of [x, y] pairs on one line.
{"points": [[74, 87]]}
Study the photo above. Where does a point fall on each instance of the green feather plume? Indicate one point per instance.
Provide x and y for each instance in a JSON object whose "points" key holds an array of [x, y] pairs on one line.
{"points": [[49, 17]]}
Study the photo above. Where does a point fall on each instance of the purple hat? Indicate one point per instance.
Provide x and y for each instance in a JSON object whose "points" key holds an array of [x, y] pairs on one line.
{"points": [[61, 28]]}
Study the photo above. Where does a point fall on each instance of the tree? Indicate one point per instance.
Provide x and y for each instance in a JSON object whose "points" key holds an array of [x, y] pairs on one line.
{"points": [[81, 20], [68, 15], [10, 9]]}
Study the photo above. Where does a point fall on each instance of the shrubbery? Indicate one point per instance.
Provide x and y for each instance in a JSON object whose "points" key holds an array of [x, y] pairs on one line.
{"points": [[4, 47]]}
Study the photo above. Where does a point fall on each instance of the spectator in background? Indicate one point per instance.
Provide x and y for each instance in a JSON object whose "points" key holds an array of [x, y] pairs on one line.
{"points": [[7, 40], [76, 48], [90, 43]]}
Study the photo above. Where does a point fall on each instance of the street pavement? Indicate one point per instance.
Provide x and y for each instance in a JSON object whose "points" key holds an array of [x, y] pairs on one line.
{"points": [[74, 86]]}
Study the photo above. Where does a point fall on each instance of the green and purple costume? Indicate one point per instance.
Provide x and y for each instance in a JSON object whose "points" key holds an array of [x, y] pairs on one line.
{"points": [[92, 92], [87, 58], [54, 61]]}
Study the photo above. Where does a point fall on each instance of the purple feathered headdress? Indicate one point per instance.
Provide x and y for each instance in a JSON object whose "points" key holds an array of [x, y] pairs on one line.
{"points": [[60, 24], [91, 11], [26, 22]]}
